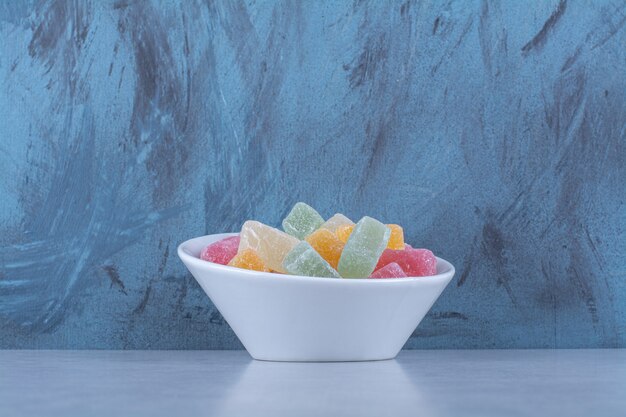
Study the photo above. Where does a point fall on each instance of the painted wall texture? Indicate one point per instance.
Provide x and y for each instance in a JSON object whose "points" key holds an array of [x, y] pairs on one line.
{"points": [[495, 132]]}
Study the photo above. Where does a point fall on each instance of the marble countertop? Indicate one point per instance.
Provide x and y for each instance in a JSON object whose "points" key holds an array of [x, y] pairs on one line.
{"points": [[229, 383]]}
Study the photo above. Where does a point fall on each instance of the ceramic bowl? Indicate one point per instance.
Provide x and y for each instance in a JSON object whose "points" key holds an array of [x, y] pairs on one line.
{"points": [[294, 318]]}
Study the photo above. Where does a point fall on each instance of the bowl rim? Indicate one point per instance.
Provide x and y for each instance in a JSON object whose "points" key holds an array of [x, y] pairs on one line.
{"points": [[183, 253]]}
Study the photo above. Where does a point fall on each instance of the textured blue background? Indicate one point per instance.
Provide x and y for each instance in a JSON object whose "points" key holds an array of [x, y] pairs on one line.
{"points": [[495, 132]]}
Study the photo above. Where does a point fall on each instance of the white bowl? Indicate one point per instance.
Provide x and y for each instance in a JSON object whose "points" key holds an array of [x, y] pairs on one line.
{"points": [[294, 318]]}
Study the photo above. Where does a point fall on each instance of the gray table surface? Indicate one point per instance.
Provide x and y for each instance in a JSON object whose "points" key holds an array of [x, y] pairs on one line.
{"points": [[229, 383]]}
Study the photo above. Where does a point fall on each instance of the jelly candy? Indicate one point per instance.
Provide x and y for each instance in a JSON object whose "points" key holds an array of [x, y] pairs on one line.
{"points": [[304, 260], [391, 270], [302, 220], [414, 262], [396, 240], [337, 220], [272, 245], [343, 232], [327, 244], [313, 247], [222, 251], [249, 259], [365, 245]]}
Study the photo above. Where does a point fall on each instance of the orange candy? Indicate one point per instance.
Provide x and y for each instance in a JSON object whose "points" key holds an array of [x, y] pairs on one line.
{"points": [[249, 259], [396, 240], [344, 232], [327, 244]]}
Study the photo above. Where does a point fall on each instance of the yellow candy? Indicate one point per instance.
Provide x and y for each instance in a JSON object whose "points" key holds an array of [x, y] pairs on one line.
{"points": [[249, 259], [327, 244], [272, 245], [344, 232], [336, 221], [396, 240]]}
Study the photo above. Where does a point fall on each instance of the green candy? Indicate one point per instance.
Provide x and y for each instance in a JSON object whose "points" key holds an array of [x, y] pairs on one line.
{"points": [[304, 260], [363, 249], [302, 220]]}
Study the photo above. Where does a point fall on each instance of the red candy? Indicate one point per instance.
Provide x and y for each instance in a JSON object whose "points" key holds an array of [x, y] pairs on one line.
{"points": [[391, 270], [222, 251], [414, 262]]}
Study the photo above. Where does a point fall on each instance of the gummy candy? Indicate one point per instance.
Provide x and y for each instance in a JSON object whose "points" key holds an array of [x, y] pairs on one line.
{"points": [[335, 248], [249, 259], [304, 260], [396, 240], [344, 232], [365, 245], [391, 270], [414, 262], [272, 245], [337, 220], [302, 220], [327, 245], [222, 251]]}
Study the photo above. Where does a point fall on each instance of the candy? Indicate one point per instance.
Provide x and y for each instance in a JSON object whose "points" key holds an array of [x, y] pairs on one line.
{"points": [[414, 262], [272, 245], [344, 232], [391, 270], [365, 245], [396, 240], [313, 247], [337, 220], [327, 245], [222, 251], [304, 260], [302, 220], [249, 259]]}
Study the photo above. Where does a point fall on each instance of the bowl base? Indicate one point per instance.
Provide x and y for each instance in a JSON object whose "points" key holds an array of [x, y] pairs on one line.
{"points": [[318, 359]]}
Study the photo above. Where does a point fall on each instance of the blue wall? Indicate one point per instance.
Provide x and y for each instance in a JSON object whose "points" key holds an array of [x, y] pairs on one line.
{"points": [[495, 132]]}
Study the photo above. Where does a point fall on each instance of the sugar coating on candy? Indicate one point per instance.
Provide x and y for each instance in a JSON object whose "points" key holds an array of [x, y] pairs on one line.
{"points": [[249, 259], [367, 242], [272, 245], [414, 262], [327, 244], [396, 240], [337, 220], [302, 220], [304, 260], [343, 232], [222, 251], [392, 270]]}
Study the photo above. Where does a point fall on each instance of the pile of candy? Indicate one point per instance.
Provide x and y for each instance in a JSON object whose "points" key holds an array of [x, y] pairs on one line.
{"points": [[335, 248]]}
